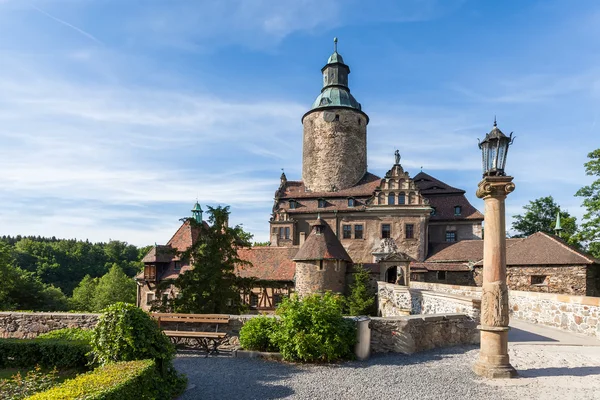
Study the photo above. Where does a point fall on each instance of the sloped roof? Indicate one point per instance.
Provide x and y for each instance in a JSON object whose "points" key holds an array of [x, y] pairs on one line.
{"points": [[185, 236], [159, 254], [543, 249], [433, 266], [444, 208], [322, 246], [268, 263], [364, 188], [428, 185]]}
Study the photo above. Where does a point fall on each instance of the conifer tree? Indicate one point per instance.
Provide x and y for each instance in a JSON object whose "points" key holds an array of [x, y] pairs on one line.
{"points": [[360, 301]]}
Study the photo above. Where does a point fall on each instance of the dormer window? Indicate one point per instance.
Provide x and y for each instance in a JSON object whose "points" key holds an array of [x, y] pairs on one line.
{"points": [[433, 211], [319, 229], [321, 203], [351, 202], [177, 265], [293, 204], [457, 210]]}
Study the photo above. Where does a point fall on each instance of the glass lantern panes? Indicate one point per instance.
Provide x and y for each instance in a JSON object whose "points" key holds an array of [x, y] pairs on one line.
{"points": [[493, 152]]}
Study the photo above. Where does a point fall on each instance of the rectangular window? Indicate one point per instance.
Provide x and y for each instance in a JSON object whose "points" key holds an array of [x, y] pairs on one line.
{"points": [[441, 275], [281, 233], [386, 231], [358, 231], [347, 231], [149, 298], [350, 202], [292, 204], [457, 210], [320, 265], [538, 279], [410, 231], [287, 232], [277, 299], [321, 203], [177, 265], [253, 300], [450, 236]]}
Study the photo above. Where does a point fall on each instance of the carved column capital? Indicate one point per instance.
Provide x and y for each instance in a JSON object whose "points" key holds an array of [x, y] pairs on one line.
{"points": [[495, 186]]}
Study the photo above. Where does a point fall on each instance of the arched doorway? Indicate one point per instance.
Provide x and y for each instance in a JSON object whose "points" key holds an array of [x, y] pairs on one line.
{"points": [[391, 274]]}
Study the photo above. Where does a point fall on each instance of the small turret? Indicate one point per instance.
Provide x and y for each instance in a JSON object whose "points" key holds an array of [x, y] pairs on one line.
{"points": [[558, 228], [197, 213]]}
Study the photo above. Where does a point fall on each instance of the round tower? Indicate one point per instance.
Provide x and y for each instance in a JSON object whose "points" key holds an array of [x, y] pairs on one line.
{"points": [[334, 148], [321, 262]]}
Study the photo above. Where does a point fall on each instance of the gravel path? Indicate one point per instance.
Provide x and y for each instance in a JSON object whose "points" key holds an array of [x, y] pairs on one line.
{"points": [[437, 374]]}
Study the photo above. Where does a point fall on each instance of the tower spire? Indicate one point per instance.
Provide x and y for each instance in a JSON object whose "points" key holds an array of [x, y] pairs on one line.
{"points": [[557, 227], [335, 44]]}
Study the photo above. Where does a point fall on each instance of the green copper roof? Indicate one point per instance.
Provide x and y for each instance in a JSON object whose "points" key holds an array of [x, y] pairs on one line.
{"points": [[335, 96], [335, 58], [197, 207], [557, 227]]}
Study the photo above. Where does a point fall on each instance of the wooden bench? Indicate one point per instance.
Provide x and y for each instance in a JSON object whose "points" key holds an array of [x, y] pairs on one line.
{"points": [[209, 341]]}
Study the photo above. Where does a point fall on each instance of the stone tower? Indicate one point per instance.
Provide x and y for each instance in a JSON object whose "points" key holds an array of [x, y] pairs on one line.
{"points": [[321, 262], [334, 149]]}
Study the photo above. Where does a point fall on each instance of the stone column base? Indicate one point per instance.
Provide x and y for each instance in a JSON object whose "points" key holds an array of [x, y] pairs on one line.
{"points": [[493, 360]]}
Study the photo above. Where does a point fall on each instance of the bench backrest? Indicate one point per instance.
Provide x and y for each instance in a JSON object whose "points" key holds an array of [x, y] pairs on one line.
{"points": [[192, 318]]}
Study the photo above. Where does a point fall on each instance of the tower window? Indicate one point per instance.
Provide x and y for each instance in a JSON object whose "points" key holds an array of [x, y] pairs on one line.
{"points": [[287, 232], [321, 203], [386, 231], [401, 198], [337, 117], [358, 231], [457, 210], [320, 265], [392, 198], [410, 231], [351, 202], [450, 236], [347, 231], [359, 122]]}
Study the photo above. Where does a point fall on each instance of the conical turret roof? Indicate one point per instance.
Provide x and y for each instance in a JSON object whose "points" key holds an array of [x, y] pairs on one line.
{"points": [[322, 244]]}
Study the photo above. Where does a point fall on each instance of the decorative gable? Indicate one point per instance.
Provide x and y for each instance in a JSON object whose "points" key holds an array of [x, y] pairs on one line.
{"points": [[397, 189]]}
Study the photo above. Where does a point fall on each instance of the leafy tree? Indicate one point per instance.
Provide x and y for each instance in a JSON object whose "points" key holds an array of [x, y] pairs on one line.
{"points": [[590, 232], [540, 216], [114, 287], [212, 286], [361, 300], [85, 293]]}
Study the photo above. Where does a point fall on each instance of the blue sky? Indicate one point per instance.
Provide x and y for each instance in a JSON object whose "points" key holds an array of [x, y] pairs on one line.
{"points": [[116, 114]]}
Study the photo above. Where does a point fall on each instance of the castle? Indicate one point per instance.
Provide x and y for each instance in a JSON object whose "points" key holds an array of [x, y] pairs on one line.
{"points": [[341, 214]]}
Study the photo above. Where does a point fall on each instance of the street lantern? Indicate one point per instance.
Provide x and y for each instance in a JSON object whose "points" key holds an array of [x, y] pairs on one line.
{"points": [[493, 151]]}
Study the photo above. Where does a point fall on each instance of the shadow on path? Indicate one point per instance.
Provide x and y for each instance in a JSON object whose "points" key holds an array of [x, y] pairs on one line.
{"points": [[519, 335], [559, 371], [234, 378]]}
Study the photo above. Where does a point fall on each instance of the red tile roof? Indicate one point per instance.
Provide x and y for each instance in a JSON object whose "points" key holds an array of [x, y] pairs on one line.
{"points": [[439, 266], [268, 263], [364, 188], [159, 254], [322, 246]]}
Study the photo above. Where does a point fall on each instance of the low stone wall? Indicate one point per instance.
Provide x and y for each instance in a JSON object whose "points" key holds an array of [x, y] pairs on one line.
{"points": [[579, 314], [395, 300], [414, 333], [467, 291], [23, 325]]}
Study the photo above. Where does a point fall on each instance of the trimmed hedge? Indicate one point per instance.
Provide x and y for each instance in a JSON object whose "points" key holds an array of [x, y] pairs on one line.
{"points": [[47, 353], [69, 334], [128, 380]]}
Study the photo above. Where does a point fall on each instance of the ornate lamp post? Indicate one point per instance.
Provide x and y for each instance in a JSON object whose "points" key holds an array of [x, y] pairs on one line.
{"points": [[493, 359]]}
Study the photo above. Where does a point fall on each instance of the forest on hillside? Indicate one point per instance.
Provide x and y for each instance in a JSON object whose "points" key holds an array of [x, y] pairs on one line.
{"points": [[50, 274]]}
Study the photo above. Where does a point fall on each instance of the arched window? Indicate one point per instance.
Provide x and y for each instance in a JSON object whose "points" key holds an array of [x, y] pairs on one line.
{"points": [[380, 199], [401, 198], [391, 198]]}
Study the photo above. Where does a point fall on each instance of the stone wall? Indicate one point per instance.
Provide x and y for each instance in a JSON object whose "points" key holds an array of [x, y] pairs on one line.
{"points": [[579, 314], [415, 333], [319, 276], [23, 325], [394, 300]]}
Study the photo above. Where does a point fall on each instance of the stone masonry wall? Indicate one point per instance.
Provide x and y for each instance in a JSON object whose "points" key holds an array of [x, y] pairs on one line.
{"points": [[22, 325], [334, 154], [394, 300], [311, 279], [578, 314], [415, 333]]}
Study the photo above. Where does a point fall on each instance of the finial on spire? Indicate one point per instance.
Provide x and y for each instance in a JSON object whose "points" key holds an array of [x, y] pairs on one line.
{"points": [[495, 120], [421, 168], [335, 44]]}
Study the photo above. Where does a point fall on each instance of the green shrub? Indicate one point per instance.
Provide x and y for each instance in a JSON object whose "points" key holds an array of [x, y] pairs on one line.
{"points": [[126, 333], [33, 382], [361, 300], [69, 334], [117, 381], [257, 334], [47, 353], [314, 330]]}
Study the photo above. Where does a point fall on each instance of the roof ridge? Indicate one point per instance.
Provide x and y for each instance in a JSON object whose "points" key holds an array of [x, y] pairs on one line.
{"points": [[564, 244]]}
